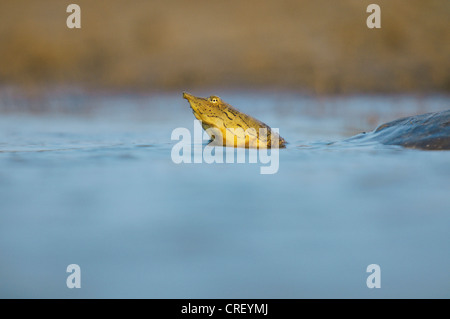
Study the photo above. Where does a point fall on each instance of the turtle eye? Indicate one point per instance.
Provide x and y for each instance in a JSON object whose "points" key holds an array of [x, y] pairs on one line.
{"points": [[214, 99]]}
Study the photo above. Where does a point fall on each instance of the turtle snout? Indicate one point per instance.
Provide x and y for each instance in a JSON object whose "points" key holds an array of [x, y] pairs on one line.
{"points": [[187, 96]]}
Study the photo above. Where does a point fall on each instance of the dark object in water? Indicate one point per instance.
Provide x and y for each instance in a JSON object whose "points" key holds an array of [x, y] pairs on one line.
{"points": [[429, 131]]}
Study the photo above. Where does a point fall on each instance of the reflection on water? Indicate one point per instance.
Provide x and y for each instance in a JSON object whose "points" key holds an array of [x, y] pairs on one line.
{"points": [[99, 189]]}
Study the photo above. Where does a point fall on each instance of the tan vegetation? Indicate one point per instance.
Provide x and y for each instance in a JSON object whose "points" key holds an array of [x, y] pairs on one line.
{"points": [[322, 46]]}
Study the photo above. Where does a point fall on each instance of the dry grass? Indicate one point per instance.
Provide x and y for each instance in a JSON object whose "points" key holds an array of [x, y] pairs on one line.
{"points": [[322, 46]]}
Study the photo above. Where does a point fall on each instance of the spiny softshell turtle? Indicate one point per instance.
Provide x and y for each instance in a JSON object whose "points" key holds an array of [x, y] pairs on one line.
{"points": [[429, 131], [230, 127]]}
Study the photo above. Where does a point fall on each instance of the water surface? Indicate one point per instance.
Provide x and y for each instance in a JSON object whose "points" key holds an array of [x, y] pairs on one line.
{"points": [[89, 180]]}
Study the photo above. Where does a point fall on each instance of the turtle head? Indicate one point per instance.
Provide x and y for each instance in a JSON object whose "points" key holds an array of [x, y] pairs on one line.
{"points": [[207, 110]]}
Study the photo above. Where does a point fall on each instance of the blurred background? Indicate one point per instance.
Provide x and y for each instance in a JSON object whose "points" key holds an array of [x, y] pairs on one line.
{"points": [[317, 46]]}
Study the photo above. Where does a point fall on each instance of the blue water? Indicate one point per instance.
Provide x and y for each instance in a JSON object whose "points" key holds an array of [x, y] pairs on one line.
{"points": [[89, 180]]}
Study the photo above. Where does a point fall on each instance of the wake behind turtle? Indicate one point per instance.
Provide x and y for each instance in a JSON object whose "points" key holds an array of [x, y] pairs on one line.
{"points": [[430, 131]]}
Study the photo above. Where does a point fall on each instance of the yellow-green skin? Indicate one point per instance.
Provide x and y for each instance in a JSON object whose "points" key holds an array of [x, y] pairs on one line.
{"points": [[228, 126]]}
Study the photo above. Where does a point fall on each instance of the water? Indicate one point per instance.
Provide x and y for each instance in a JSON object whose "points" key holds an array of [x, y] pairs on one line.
{"points": [[89, 180]]}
